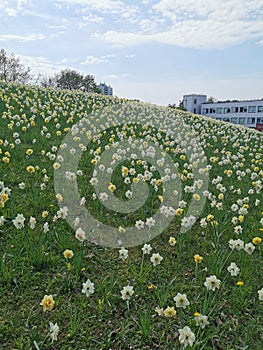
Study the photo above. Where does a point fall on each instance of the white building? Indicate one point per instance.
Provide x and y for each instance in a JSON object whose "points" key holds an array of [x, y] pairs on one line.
{"points": [[192, 103], [248, 113], [105, 89]]}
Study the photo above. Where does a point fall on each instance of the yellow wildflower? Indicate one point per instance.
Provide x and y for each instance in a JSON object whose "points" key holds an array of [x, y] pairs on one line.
{"points": [[169, 311], [240, 283], [256, 240], [198, 258], [172, 241], [47, 303], [68, 254], [29, 151], [30, 169]]}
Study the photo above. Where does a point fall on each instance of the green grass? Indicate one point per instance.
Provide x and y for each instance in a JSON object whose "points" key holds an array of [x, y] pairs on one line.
{"points": [[32, 264]]}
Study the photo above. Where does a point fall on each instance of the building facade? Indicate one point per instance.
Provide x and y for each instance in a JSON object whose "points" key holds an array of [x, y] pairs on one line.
{"points": [[248, 113], [192, 103], [105, 89]]}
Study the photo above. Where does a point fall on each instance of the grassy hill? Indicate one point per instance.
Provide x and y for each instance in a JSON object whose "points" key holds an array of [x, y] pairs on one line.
{"points": [[127, 225]]}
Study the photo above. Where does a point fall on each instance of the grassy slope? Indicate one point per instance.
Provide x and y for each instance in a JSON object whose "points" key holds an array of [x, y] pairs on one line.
{"points": [[32, 262]]}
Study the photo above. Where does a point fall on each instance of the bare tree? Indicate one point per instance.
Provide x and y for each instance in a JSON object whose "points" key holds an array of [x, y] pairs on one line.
{"points": [[11, 70]]}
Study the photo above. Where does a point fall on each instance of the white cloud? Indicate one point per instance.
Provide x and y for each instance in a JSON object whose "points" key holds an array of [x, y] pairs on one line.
{"points": [[194, 23], [13, 8], [93, 18], [210, 9], [106, 6], [90, 18], [57, 27], [151, 25], [22, 38], [120, 39], [118, 76], [197, 24], [41, 65], [96, 60], [11, 12], [130, 55], [126, 13]]}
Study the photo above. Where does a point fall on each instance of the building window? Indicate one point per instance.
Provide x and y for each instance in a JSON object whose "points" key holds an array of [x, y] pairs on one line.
{"points": [[243, 109], [234, 120], [260, 120], [219, 110], [251, 120], [252, 109], [226, 119], [260, 109], [194, 110], [242, 120], [234, 109], [212, 110], [227, 110], [195, 101]]}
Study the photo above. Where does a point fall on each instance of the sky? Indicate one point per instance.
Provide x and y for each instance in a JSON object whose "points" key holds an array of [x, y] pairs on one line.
{"points": [[152, 50]]}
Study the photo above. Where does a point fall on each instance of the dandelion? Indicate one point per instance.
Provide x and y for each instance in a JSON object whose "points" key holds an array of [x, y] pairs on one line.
{"points": [[156, 259], [186, 336], [88, 288], [240, 283], [151, 286], [54, 329], [181, 300], [212, 283], [47, 303], [127, 292]]}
